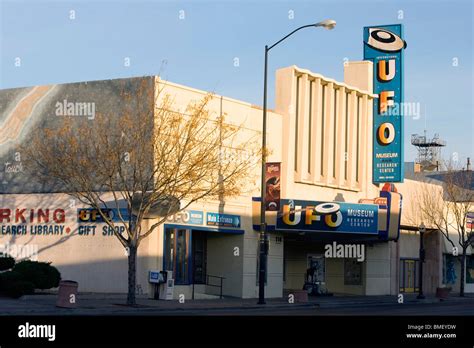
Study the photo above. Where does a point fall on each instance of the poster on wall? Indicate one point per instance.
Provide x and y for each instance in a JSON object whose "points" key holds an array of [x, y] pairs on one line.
{"points": [[272, 186], [470, 221], [384, 46]]}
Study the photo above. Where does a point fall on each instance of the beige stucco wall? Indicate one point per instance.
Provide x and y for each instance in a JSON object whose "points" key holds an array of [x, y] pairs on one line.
{"points": [[378, 269], [305, 181], [240, 271], [409, 244]]}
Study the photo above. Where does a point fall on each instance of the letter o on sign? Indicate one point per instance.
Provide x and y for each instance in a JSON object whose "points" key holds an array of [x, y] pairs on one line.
{"points": [[185, 216], [386, 133], [327, 208], [328, 219]]}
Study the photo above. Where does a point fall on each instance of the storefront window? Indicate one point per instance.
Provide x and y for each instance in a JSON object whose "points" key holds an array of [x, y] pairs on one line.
{"points": [[449, 269], [316, 268], [169, 250], [352, 272], [181, 257], [470, 269], [199, 257], [177, 254]]}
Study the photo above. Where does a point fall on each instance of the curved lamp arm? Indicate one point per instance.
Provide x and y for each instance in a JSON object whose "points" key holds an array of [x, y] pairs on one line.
{"points": [[287, 36], [328, 24]]}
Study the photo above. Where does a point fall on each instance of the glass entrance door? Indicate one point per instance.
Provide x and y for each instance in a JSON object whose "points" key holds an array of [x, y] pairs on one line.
{"points": [[185, 254], [409, 275], [199, 257], [317, 266], [177, 254]]}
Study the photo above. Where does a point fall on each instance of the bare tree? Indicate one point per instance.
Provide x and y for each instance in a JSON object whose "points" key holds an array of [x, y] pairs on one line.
{"points": [[153, 159], [445, 207]]}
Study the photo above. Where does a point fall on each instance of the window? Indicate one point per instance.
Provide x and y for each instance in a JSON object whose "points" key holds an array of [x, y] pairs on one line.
{"points": [[352, 272], [199, 257], [449, 269], [470, 269], [169, 250], [316, 265], [181, 261], [177, 254]]}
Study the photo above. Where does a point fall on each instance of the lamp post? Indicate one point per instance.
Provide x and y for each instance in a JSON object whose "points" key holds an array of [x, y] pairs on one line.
{"points": [[327, 24], [422, 230]]}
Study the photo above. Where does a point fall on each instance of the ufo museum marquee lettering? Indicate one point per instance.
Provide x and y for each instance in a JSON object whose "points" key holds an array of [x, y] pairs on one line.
{"points": [[384, 45]]}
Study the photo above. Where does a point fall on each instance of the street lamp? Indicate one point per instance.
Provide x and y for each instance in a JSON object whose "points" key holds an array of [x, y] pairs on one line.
{"points": [[327, 24], [422, 230]]}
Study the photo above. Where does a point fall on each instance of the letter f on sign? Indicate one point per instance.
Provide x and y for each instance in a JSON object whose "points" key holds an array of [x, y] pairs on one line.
{"points": [[385, 100]]}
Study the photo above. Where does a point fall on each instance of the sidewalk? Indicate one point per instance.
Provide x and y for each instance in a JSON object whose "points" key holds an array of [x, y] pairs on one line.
{"points": [[113, 304]]}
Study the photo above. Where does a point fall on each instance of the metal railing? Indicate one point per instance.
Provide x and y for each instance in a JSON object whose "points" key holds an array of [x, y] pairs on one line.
{"points": [[207, 283]]}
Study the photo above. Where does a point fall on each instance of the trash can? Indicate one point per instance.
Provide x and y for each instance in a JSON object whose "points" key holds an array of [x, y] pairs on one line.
{"points": [[67, 294]]}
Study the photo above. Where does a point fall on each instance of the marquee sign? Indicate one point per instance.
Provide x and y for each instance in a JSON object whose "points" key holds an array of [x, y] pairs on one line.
{"points": [[384, 45], [377, 218], [335, 217]]}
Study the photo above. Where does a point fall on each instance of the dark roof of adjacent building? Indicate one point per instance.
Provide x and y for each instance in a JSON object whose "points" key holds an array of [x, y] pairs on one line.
{"points": [[462, 178]]}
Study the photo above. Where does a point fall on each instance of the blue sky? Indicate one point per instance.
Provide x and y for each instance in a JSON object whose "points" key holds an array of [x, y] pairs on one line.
{"points": [[200, 50]]}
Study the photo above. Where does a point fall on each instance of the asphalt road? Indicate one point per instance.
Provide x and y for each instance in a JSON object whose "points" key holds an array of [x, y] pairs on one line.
{"points": [[405, 309]]}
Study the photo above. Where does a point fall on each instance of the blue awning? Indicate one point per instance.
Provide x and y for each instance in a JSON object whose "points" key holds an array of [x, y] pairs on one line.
{"points": [[206, 229]]}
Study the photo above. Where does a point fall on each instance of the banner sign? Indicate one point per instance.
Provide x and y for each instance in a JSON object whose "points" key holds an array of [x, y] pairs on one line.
{"points": [[222, 220], [191, 217], [384, 45], [92, 215], [53, 221], [272, 186], [336, 217], [470, 221]]}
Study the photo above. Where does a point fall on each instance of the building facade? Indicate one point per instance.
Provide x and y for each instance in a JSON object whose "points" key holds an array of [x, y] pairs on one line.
{"points": [[321, 135]]}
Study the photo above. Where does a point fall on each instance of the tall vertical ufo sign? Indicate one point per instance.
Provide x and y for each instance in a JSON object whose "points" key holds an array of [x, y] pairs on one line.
{"points": [[384, 45]]}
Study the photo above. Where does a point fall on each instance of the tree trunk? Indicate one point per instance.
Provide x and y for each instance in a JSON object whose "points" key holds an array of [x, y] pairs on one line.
{"points": [[132, 275], [463, 272]]}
